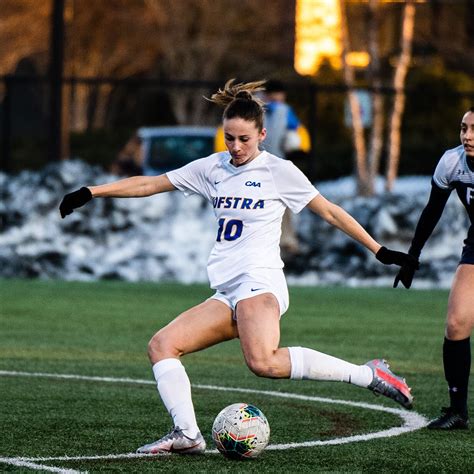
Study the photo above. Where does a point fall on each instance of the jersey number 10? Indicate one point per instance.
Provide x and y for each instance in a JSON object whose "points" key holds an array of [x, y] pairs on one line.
{"points": [[230, 230]]}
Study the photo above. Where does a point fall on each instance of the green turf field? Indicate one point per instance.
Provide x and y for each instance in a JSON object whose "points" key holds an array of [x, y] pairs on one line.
{"points": [[102, 329]]}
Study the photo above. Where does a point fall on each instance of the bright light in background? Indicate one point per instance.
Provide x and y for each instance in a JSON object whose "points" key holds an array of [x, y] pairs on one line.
{"points": [[318, 35], [358, 58]]}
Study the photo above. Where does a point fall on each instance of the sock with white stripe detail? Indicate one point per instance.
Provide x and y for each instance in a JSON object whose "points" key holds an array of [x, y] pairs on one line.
{"points": [[308, 364], [174, 388]]}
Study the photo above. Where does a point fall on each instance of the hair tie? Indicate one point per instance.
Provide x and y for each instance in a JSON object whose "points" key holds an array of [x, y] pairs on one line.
{"points": [[244, 95]]}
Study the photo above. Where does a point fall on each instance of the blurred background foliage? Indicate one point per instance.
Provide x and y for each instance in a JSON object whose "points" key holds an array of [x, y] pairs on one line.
{"points": [[131, 63]]}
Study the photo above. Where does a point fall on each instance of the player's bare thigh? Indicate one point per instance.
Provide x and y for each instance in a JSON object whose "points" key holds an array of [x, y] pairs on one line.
{"points": [[258, 322], [460, 320], [197, 328]]}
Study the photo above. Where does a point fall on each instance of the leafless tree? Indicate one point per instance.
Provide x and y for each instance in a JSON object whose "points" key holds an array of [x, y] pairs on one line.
{"points": [[375, 79], [113, 38], [360, 150], [185, 39], [24, 32], [368, 163], [401, 69], [205, 39]]}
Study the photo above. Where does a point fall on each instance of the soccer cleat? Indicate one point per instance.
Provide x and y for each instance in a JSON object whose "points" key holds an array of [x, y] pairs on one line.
{"points": [[175, 442], [449, 420], [385, 382]]}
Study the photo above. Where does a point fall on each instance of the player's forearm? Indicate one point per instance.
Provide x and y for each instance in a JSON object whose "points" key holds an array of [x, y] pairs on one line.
{"points": [[136, 186], [338, 217], [341, 219]]}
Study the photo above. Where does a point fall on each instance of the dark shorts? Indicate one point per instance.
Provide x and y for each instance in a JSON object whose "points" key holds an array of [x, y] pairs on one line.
{"points": [[467, 255]]}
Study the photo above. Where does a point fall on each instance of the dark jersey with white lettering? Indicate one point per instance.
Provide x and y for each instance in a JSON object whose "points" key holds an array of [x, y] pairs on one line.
{"points": [[452, 172], [455, 172], [248, 202]]}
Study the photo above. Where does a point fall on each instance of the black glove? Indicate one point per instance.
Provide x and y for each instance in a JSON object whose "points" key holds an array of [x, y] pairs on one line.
{"points": [[405, 275], [74, 200], [389, 257]]}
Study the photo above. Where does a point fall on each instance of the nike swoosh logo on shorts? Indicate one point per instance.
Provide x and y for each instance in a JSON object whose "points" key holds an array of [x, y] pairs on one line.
{"points": [[255, 289]]}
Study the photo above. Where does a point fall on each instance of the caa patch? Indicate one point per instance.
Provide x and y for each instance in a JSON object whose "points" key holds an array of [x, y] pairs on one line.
{"points": [[252, 183]]}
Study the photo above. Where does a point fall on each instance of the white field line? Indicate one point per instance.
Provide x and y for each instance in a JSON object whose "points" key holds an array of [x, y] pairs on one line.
{"points": [[412, 421], [18, 462]]}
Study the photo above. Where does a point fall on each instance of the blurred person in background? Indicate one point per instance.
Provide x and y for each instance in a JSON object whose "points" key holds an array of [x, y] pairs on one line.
{"points": [[129, 160], [249, 190], [455, 170], [285, 139], [280, 121]]}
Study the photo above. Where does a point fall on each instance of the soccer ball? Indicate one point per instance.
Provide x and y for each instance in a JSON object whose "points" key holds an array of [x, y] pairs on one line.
{"points": [[240, 431]]}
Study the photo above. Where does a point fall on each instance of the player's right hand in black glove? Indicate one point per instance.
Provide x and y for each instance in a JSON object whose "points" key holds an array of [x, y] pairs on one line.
{"points": [[405, 275], [392, 257], [74, 200]]}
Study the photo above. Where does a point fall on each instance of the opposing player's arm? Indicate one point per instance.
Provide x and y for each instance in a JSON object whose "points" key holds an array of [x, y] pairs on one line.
{"points": [[136, 186], [429, 217], [338, 217]]}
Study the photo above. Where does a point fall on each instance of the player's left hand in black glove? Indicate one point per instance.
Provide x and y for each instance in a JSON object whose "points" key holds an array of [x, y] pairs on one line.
{"points": [[392, 257], [74, 200]]}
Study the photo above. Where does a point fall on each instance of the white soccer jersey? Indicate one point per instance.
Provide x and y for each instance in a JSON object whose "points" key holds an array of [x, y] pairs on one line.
{"points": [[249, 202]]}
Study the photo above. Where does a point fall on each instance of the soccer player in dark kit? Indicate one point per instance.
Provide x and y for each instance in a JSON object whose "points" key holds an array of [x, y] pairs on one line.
{"points": [[455, 170]]}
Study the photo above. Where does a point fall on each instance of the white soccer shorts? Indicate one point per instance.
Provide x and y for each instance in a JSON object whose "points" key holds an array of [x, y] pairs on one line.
{"points": [[257, 282]]}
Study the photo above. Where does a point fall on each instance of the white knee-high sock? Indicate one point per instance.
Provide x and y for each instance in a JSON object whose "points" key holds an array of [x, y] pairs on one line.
{"points": [[175, 391], [313, 365]]}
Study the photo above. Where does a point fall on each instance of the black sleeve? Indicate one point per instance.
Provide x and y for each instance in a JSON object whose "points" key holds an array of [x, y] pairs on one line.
{"points": [[429, 218]]}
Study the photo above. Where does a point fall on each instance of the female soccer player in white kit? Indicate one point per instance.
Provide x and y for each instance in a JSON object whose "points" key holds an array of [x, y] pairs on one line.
{"points": [[249, 190]]}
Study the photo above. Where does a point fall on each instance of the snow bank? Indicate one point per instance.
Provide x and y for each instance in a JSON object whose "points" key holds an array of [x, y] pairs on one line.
{"points": [[168, 237]]}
